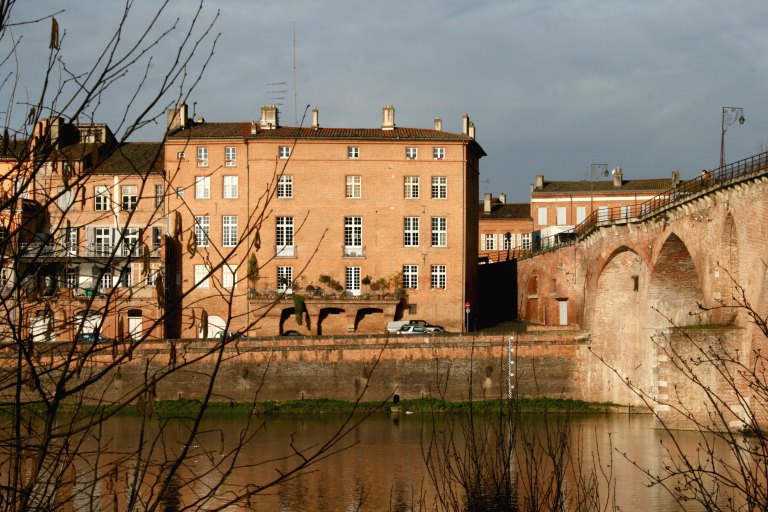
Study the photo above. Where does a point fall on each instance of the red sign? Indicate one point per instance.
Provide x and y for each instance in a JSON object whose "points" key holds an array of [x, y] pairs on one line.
{"points": [[466, 304]]}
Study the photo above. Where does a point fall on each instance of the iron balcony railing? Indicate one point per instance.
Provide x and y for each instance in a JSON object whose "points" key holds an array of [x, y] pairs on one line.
{"points": [[53, 250], [685, 191]]}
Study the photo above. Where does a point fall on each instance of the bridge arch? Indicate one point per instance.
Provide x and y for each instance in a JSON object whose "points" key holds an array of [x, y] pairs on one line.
{"points": [[615, 320], [674, 291]]}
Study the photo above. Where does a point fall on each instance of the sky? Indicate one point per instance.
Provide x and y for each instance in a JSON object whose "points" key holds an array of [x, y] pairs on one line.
{"points": [[553, 86]]}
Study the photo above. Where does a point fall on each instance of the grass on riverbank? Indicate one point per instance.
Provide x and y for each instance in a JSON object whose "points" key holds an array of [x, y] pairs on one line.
{"points": [[178, 408], [188, 408]]}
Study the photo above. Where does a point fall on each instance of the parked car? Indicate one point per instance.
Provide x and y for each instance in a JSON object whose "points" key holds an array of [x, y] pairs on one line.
{"points": [[427, 326], [393, 327], [412, 329], [90, 337]]}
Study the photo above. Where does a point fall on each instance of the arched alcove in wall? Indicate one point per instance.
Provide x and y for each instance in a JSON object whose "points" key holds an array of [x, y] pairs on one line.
{"points": [[531, 303]]}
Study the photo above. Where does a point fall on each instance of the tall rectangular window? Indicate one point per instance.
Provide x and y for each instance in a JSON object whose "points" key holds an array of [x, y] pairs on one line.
{"points": [[285, 186], [230, 187], [69, 241], [229, 276], [439, 187], [352, 283], [353, 237], [489, 242], [625, 212], [154, 271], [411, 153], [525, 240], [438, 153], [230, 156], [102, 242], [284, 151], [285, 279], [202, 230], [159, 196], [542, 216], [411, 187], [581, 214], [130, 197], [130, 242], [201, 276], [561, 215], [439, 231], [106, 281], [229, 230], [602, 213], [354, 188], [438, 276], [411, 231], [507, 242], [101, 198], [411, 277], [284, 237], [202, 156], [71, 276], [157, 237], [353, 152], [202, 187]]}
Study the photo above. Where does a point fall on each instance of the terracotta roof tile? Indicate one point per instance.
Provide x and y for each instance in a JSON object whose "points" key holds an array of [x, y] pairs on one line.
{"points": [[228, 130], [649, 185], [507, 211], [132, 157]]}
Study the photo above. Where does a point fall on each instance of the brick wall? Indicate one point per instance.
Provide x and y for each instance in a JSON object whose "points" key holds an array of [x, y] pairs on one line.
{"points": [[284, 368]]}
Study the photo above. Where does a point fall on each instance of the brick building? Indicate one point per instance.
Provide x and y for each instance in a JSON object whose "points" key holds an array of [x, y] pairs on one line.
{"points": [[361, 225], [504, 228], [88, 256], [558, 206]]}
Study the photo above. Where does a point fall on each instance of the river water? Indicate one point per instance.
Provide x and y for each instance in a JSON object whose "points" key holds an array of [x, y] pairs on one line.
{"points": [[380, 465]]}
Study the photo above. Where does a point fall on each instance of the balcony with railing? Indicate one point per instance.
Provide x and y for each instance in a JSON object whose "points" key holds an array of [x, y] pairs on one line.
{"points": [[47, 250]]}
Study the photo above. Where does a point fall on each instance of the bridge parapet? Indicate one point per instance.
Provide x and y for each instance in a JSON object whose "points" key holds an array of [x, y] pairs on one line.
{"points": [[706, 183]]}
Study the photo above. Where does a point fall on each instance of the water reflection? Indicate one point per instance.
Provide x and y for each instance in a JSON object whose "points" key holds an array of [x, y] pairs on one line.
{"points": [[380, 466]]}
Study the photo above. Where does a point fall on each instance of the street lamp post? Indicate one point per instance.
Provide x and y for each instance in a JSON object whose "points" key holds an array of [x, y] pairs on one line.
{"points": [[730, 116], [507, 241]]}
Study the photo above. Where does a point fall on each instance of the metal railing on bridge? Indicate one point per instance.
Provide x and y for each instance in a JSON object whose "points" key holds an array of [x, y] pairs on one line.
{"points": [[686, 191]]}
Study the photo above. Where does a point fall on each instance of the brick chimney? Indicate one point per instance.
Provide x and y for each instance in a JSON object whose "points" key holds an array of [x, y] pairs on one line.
{"points": [[388, 117], [487, 200], [539, 181], [471, 130], [177, 117], [617, 178], [675, 177], [315, 118], [438, 124], [270, 117], [503, 198], [465, 124]]}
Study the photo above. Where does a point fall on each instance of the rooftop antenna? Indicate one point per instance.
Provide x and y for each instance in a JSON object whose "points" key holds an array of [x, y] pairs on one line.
{"points": [[295, 101], [278, 88], [597, 170]]}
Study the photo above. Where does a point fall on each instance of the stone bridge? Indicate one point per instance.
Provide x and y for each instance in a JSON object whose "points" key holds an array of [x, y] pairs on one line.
{"points": [[627, 279]]}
